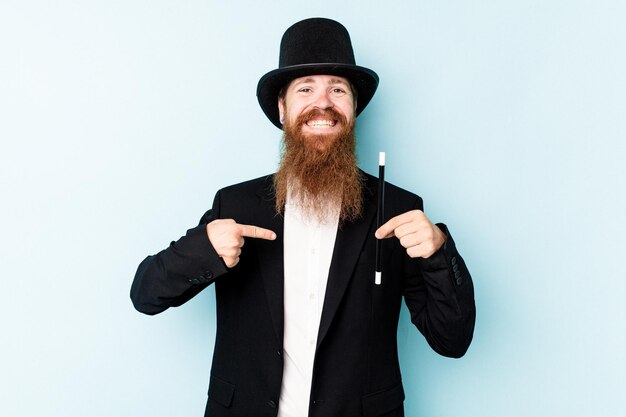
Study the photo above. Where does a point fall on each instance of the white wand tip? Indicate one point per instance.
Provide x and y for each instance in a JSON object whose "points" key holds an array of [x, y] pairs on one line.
{"points": [[381, 158], [377, 279]]}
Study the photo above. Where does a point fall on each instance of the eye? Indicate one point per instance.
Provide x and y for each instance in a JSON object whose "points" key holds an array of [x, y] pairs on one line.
{"points": [[305, 90], [338, 90]]}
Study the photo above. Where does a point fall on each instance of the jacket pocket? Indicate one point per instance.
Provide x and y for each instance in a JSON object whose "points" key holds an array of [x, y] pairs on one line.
{"points": [[221, 391], [381, 402]]}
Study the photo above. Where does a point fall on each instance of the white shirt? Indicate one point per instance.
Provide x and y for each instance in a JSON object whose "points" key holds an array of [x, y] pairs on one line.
{"points": [[308, 250]]}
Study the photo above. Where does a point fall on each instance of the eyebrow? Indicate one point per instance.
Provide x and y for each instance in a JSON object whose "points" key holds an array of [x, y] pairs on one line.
{"points": [[332, 81]]}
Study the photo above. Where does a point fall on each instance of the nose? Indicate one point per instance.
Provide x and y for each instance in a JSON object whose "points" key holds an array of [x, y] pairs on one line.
{"points": [[323, 101]]}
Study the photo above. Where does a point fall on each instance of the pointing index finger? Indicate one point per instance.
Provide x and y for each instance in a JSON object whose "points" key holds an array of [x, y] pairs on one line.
{"points": [[387, 230], [256, 232]]}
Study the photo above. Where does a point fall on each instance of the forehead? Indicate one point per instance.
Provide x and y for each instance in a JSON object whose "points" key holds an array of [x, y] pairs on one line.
{"points": [[319, 79]]}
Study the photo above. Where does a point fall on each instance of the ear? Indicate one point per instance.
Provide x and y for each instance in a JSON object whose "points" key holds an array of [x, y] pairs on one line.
{"points": [[281, 108]]}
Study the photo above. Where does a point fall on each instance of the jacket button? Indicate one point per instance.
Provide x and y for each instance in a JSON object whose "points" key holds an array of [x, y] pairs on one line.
{"points": [[453, 260], [271, 403], [208, 274], [195, 281], [279, 352]]}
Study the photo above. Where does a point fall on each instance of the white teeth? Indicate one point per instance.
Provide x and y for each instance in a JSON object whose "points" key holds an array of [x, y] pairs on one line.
{"points": [[321, 123]]}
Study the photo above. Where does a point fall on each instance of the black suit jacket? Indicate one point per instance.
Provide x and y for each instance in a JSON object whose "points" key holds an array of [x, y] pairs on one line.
{"points": [[356, 370]]}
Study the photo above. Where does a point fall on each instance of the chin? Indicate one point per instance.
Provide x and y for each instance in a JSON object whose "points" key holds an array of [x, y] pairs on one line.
{"points": [[321, 142]]}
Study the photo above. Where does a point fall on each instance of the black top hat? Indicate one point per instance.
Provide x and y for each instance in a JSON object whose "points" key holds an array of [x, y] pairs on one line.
{"points": [[309, 47]]}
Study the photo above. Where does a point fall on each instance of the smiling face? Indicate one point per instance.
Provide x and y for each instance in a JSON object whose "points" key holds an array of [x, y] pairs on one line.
{"points": [[318, 167], [320, 107]]}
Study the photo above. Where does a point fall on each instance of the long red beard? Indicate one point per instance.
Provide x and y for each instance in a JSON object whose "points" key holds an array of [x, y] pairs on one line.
{"points": [[320, 171]]}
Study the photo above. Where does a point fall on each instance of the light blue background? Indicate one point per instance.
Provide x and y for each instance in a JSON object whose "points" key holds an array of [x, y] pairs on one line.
{"points": [[120, 119]]}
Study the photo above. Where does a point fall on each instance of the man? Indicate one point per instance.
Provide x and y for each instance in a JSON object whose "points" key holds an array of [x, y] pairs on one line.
{"points": [[302, 329]]}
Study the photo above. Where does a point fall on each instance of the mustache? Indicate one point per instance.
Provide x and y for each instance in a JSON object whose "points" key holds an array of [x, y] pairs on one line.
{"points": [[329, 113]]}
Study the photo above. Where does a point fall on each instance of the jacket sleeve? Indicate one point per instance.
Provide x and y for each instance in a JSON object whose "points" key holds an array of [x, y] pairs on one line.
{"points": [[440, 296], [179, 272]]}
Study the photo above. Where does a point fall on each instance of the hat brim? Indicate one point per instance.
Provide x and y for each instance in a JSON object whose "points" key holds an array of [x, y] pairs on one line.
{"points": [[364, 80]]}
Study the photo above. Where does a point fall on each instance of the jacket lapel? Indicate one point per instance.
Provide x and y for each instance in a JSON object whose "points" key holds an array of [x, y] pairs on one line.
{"points": [[349, 243], [270, 255]]}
